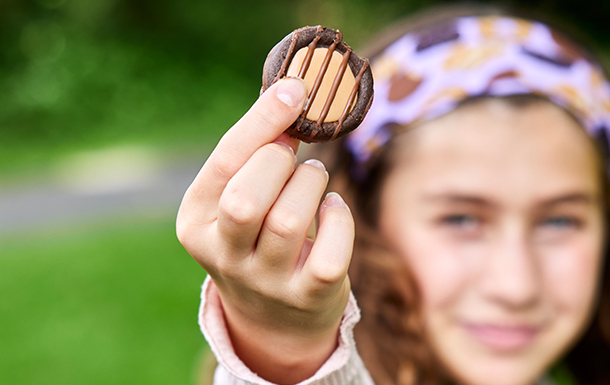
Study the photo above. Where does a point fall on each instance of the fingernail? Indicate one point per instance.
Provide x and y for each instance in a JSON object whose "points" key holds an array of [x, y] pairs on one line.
{"points": [[315, 163], [334, 199], [286, 146], [291, 91]]}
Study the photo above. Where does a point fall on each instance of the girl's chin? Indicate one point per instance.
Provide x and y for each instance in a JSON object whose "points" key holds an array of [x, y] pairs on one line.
{"points": [[490, 355], [498, 352], [498, 372]]}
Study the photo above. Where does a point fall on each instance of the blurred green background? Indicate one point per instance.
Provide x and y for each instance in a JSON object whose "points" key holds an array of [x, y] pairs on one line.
{"points": [[112, 299]]}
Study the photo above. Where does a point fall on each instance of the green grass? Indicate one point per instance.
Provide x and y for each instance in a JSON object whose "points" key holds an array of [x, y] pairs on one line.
{"points": [[112, 303]]}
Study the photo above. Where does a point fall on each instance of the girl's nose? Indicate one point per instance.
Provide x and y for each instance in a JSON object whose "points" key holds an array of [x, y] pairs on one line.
{"points": [[511, 275]]}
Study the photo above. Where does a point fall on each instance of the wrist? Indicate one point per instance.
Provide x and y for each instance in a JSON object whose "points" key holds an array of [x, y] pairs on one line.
{"points": [[281, 355]]}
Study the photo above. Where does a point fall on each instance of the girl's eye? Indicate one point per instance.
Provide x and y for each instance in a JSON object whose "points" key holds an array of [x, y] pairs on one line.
{"points": [[463, 226], [560, 222], [461, 221]]}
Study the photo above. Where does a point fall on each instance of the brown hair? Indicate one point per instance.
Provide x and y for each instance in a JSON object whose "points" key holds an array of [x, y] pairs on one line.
{"points": [[391, 335]]}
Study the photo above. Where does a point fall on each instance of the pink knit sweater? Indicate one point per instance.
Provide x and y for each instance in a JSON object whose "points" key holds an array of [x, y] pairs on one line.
{"points": [[344, 367]]}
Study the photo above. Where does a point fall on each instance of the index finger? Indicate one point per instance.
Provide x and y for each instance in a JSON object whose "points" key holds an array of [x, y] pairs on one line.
{"points": [[273, 112]]}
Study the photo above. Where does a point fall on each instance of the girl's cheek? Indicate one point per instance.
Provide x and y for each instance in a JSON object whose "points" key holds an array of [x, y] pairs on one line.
{"points": [[572, 275], [442, 266]]}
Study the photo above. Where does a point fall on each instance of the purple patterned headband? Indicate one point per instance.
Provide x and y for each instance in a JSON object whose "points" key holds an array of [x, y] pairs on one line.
{"points": [[425, 74]]}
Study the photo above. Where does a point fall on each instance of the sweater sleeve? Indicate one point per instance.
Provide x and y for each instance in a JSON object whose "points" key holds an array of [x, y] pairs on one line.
{"points": [[344, 366]]}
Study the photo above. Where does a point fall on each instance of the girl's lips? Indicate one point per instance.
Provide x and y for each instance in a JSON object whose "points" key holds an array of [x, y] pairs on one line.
{"points": [[502, 338]]}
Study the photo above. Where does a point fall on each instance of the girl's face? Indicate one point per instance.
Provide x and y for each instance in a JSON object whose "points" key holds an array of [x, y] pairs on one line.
{"points": [[498, 212]]}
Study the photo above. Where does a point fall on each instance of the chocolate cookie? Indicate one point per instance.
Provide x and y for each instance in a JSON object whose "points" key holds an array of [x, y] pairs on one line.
{"points": [[337, 99]]}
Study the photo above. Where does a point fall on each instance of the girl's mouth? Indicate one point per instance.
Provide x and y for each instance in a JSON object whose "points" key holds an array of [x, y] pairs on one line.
{"points": [[502, 338]]}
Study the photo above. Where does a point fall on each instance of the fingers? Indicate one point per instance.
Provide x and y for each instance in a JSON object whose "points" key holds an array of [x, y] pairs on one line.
{"points": [[250, 194], [268, 118], [285, 228], [330, 256], [289, 141]]}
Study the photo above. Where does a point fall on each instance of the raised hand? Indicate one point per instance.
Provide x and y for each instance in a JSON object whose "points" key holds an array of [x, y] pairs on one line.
{"points": [[245, 220]]}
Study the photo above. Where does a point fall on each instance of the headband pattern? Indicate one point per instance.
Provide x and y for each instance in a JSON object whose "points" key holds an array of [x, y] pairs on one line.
{"points": [[426, 74]]}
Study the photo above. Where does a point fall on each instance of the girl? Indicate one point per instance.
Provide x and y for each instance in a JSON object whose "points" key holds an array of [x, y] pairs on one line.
{"points": [[478, 188]]}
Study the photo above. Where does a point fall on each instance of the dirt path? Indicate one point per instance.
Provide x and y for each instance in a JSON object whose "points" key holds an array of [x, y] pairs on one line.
{"points": [[82, 193]]}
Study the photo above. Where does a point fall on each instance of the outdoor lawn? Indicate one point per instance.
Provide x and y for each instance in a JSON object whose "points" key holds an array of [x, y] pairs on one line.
{"points": [[105, 303]]}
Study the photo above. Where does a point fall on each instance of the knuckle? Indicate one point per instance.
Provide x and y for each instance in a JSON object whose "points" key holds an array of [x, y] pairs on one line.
{"points": [[224, 164], [183, 232], [190, 240], [187, 234], [327, 275], [239, 208], [284, 223]]}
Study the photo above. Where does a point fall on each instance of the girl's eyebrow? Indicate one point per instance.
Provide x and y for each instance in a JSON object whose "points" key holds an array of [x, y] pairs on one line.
{"points": [[570, 198], [452, 197]]}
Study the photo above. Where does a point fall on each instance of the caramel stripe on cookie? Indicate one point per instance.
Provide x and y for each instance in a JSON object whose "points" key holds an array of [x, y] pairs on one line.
{"points": [[352, 96], [319, 77], [293, 43], [310, 50], [335, 87]]}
